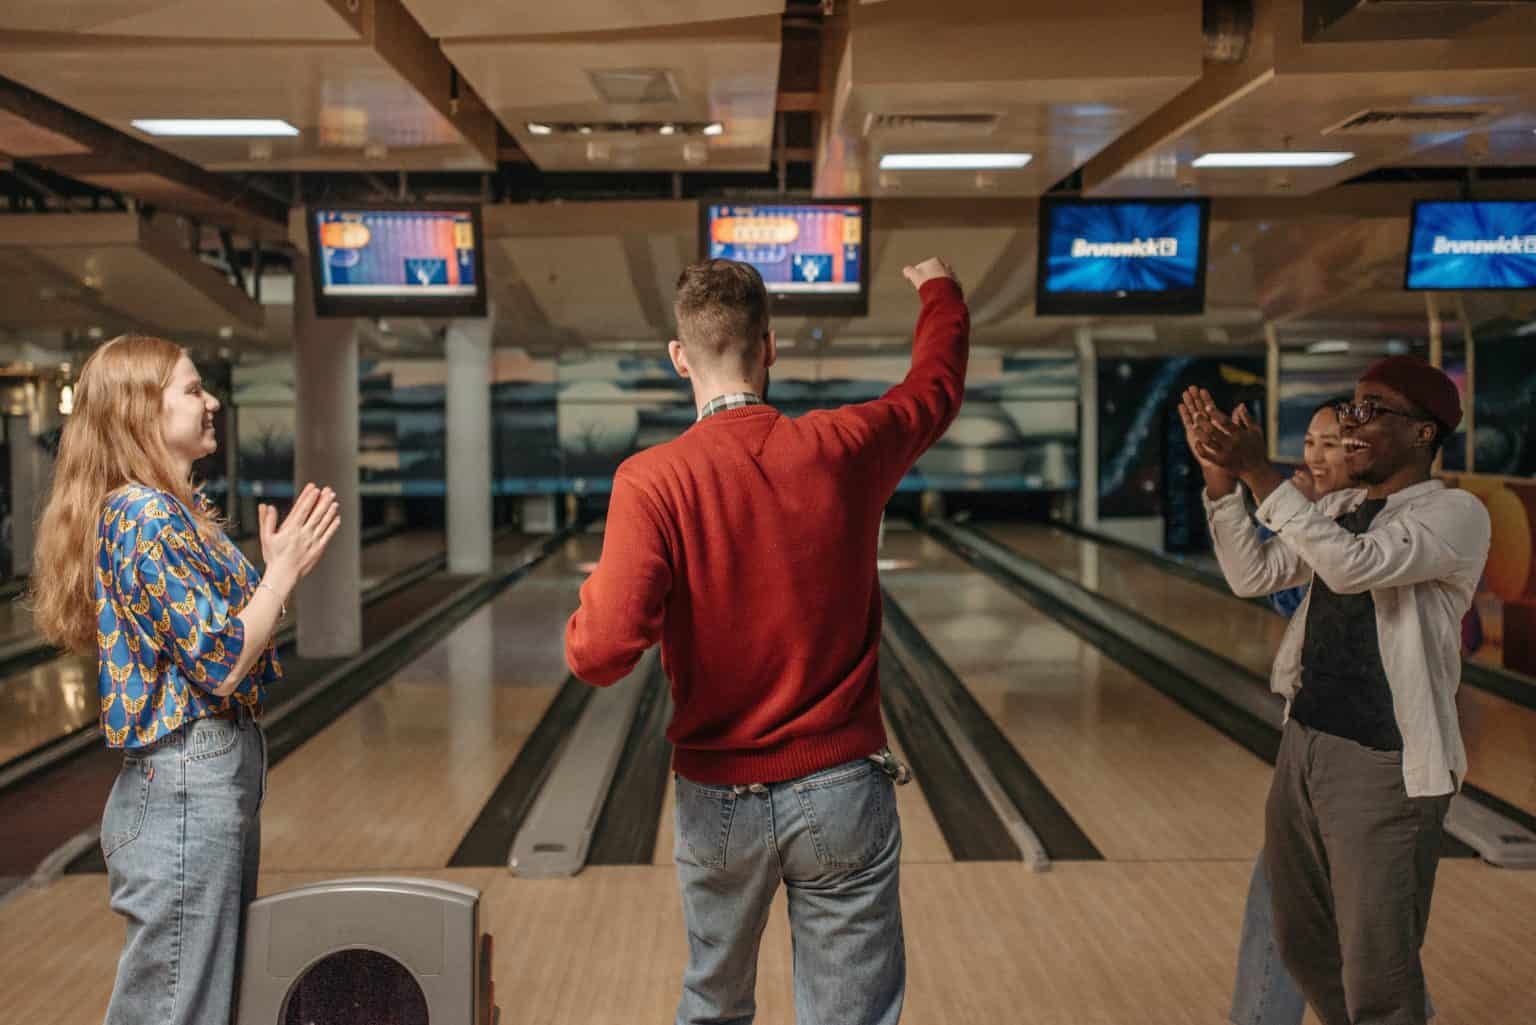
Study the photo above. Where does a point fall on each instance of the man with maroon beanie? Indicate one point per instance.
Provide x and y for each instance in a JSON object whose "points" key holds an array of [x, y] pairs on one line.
{"points": [[1371, 752], [747, 548]]}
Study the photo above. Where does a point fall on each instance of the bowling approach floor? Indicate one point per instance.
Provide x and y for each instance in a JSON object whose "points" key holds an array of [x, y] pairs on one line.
{"points": [[1146, 932]]}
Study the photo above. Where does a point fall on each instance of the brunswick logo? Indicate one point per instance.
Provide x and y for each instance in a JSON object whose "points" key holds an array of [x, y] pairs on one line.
{"points": [[1136, 249], [1504, 245]]}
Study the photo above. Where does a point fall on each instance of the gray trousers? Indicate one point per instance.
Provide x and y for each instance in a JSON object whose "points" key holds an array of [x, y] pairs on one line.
{"points": [[1351, 858]]}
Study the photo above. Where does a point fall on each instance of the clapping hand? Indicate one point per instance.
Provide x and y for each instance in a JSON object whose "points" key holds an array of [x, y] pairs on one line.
{"points": [[296, 546], [1232, 443]]}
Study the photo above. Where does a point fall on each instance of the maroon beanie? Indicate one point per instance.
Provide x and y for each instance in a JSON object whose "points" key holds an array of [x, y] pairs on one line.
{"points": [[1420, 383]]}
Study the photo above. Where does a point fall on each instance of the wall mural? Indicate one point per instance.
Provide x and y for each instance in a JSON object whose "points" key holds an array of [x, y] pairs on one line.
{"points": [[566, 425]]}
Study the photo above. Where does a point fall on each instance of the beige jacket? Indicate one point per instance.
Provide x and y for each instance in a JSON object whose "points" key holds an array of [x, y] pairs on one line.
{"points": [[1421, 560]]}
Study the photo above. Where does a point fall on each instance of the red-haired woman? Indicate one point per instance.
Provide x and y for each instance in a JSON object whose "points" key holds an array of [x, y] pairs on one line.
{"points": [[134, 566]]}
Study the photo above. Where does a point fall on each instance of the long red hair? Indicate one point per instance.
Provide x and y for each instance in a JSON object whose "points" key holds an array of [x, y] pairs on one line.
{"points": [[113, 438]]}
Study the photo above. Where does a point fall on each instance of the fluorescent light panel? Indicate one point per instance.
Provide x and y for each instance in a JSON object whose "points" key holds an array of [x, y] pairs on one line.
{"points": [[247, 127], [954, 161], [1283, 159]]}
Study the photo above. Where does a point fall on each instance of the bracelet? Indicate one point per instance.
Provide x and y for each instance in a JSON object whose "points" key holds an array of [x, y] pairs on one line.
{"points": [[263, 585]]}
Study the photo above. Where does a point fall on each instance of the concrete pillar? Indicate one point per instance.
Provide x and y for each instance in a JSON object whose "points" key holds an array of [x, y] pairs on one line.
{"points": [[1088, 430], [468, 351], [329, 605]]}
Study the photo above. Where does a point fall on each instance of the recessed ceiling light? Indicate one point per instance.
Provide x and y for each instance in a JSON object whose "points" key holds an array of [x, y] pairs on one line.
{"points": [[208, 127], [714, 128], [1280, 159], [537, 128], [1328, 347], [954, 161], [666, 129]]}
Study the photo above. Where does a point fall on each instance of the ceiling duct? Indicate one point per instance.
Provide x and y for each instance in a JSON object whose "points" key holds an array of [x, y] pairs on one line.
{"points": [[1363, 21], [1413, 120], [633, 86], [1228, 29]]}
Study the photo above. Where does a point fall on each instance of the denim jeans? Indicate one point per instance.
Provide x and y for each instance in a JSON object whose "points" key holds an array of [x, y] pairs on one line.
{"points": [[182, 837], [1265, 993], [834, 839]]}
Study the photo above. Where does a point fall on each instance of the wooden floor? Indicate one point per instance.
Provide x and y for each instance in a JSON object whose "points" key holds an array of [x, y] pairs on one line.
{"points": [[1109, 943], [1144, 779], [1146, 937], [1500, 735]]}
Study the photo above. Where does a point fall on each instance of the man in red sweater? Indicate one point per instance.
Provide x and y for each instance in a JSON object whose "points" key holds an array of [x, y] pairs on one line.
{"points": [[747, 548]]}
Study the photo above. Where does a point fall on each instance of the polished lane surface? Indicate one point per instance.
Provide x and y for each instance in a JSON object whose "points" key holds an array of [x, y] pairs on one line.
{"points": [[1144, 778], [1500, 735]]}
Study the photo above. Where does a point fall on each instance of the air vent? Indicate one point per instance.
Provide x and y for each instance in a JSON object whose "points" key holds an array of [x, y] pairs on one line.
{"points": [[630, 86], [1413, 120], [933, 126]]}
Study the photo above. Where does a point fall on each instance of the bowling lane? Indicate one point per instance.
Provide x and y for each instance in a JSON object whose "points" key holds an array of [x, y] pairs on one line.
{"points": [[1145, 779], [396, 781], [55, 698], [1500, 735], [408, 769]]}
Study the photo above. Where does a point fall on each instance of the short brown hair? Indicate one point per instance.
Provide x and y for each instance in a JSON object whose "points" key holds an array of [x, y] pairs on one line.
{"points": [[722, 309]]}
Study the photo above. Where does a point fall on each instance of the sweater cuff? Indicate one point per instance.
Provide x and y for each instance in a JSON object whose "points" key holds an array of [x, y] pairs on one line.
{"points": [[935, 287]]}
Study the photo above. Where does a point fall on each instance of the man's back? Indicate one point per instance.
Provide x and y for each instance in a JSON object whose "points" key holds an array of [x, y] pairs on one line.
{"points": [[748, 547]]}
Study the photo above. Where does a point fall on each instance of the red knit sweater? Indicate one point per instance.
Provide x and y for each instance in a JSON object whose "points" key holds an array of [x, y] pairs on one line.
{"points": [[747, 548]]}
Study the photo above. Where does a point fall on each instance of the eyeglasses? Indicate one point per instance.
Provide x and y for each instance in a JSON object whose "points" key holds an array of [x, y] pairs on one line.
{"points": [[1363, 412]]}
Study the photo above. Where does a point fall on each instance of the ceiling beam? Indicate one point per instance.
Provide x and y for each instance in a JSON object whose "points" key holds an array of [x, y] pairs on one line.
{"points": [[398, 38], [114, 152], [1220, 86]]}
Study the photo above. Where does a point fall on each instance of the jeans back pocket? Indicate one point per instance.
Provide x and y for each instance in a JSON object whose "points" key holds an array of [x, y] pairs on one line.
{"points": [[704, 821], [209, 738], [127, 805], [850, 812]]}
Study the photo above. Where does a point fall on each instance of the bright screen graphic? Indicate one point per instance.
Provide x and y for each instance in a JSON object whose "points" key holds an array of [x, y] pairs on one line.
{"points": [[810, 249], [1123, 247], [1472, 246], [397, 254]]}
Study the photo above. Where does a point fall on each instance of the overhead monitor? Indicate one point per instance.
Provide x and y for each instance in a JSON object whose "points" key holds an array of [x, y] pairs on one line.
{"points": [[1112, 257], [813, 254], [374, 261], [1472, 245]]}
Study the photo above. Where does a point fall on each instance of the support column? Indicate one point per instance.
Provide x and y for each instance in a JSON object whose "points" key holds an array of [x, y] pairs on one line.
{"points": [[468, 351], [1087, 430], [329, 600]]}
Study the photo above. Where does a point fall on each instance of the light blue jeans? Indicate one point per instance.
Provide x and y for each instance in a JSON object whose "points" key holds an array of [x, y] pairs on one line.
{"points": [[1265, 993], [182, 837], [834, 839]]}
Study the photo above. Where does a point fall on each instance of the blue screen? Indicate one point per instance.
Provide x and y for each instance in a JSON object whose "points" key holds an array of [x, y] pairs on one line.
{"points": [[1473, 245], [1115, 247]]}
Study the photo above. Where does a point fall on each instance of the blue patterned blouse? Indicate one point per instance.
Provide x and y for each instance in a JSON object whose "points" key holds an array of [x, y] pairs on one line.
{"points": [[166, 603]]}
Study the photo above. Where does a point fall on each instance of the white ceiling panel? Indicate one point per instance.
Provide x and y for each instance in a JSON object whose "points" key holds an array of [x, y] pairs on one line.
{"points": [[204, 19], [457, 19], [723, 71]]}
